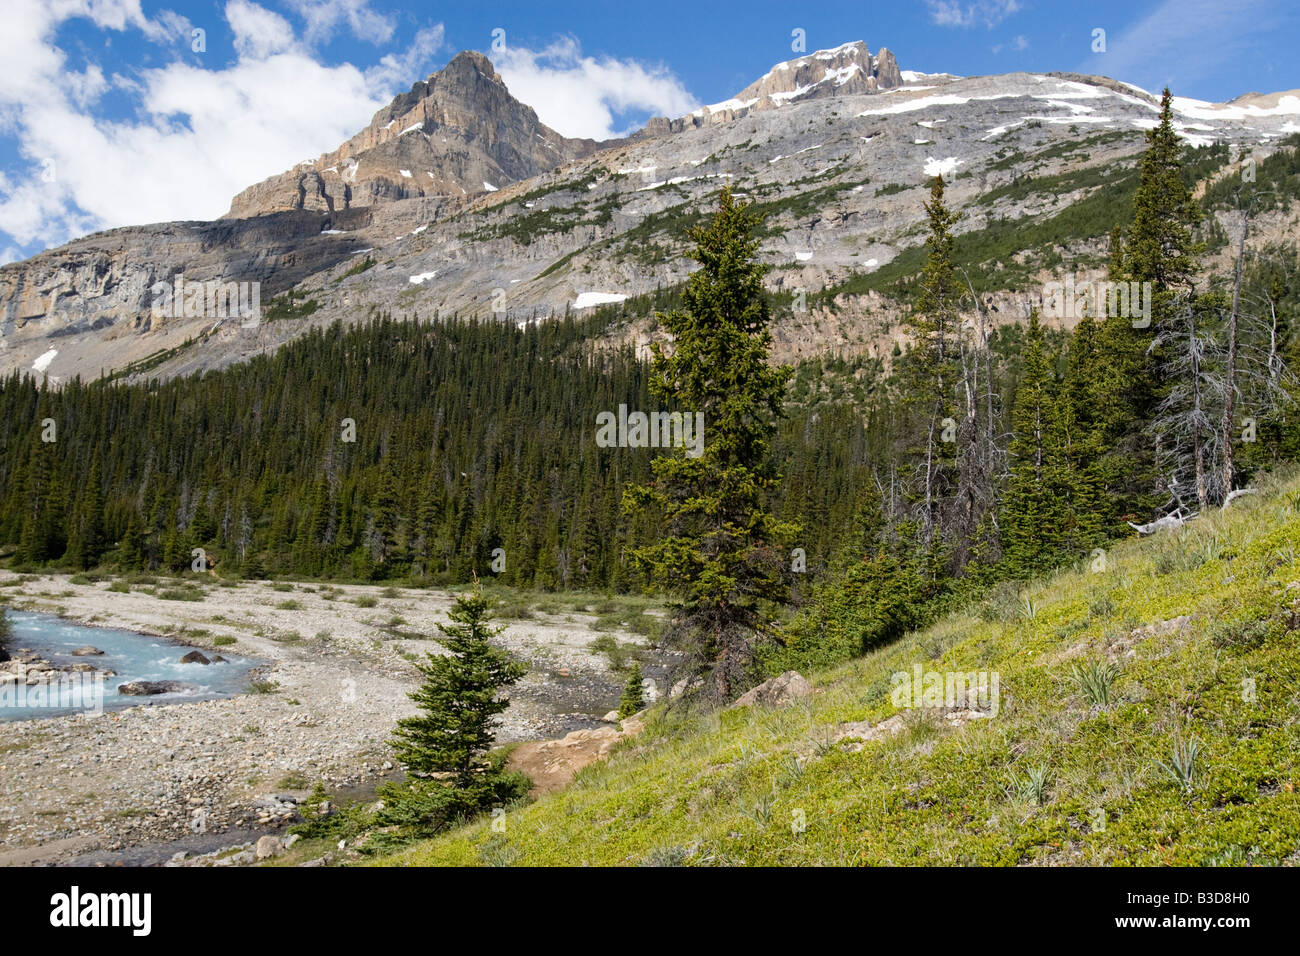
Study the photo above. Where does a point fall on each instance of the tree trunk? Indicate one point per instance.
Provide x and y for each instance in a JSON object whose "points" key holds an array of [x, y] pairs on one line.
{"points": [[1230, 390]]}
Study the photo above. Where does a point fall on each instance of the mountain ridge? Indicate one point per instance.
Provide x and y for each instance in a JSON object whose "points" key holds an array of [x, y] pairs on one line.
{"points": [[835, 169]]}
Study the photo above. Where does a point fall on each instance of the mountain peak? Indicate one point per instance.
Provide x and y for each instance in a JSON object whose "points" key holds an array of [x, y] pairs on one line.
{"points": [[465, 61], [457, 133], [844, 70]]}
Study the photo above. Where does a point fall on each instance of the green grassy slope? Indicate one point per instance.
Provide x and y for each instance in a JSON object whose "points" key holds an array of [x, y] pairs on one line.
{"points": [[1051, 779]]}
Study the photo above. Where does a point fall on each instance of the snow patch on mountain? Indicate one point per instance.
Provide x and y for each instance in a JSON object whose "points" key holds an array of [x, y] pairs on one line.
{"points": [[586, 300], [42, 363], [941, 167]]}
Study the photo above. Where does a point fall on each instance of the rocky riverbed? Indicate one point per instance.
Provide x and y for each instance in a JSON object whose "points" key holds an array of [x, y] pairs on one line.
{"points": [[338, 669]]}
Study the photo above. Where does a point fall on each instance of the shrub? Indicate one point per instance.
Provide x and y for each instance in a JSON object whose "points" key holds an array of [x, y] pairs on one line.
{"points": [[1094, 681], [873, 603], [1181, 767]]}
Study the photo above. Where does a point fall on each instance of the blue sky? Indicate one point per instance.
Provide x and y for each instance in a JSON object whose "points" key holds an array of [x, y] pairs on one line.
{"points": [[116, 112]]}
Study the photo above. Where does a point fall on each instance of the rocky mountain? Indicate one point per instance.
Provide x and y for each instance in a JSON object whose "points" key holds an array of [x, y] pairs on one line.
{"points": [[844, 71], [835, 149], [457, 133]]}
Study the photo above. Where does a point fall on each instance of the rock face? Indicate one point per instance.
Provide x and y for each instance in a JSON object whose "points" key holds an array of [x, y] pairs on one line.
{"points": [[459, 132], [775, 692]]}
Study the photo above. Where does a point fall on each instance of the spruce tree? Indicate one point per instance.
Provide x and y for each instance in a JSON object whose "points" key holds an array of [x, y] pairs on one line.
{"points": [[928, 375], [86, 538], [1030, 521], [1159, 251], [723, 551], [459, 700], [632, 701]]}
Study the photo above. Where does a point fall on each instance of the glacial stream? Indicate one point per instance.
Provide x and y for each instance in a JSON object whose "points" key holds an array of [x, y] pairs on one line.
{"points": [[133, 656]]}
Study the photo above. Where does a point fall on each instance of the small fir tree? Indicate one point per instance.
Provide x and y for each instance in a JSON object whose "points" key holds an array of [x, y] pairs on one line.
{"points": [[632, 700]]}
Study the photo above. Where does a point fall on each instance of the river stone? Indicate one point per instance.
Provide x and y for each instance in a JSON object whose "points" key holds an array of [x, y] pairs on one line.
{"points": [[195, 657], [87, 651], [147, 688]]}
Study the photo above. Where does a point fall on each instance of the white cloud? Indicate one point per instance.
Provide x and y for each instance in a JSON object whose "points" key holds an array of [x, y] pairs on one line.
{"points": [[259, 32], [580, 95], [401, 70], [953, 13], [198, 136], [324, 17]]}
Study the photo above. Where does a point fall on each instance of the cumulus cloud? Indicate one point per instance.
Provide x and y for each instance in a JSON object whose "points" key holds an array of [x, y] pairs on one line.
{"points": [[585, 96], [953, 13], [197, 136], [324, 17], [259, 32]]}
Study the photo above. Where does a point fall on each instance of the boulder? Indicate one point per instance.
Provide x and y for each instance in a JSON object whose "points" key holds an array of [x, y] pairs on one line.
{"points": [[773, 693], [195, 657], [147, 688], [269, 846], [87, 651]]}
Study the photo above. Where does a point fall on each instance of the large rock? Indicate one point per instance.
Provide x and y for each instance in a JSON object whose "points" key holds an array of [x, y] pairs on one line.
{"points": [[195, 657], [268, 846], [148, 688], [87, 651], [775, 692]]}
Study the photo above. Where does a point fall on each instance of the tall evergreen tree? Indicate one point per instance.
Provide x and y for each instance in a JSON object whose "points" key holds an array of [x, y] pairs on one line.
{"points": [[1159, 251], [723, 551], [928, 378], [1032, 519]]}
